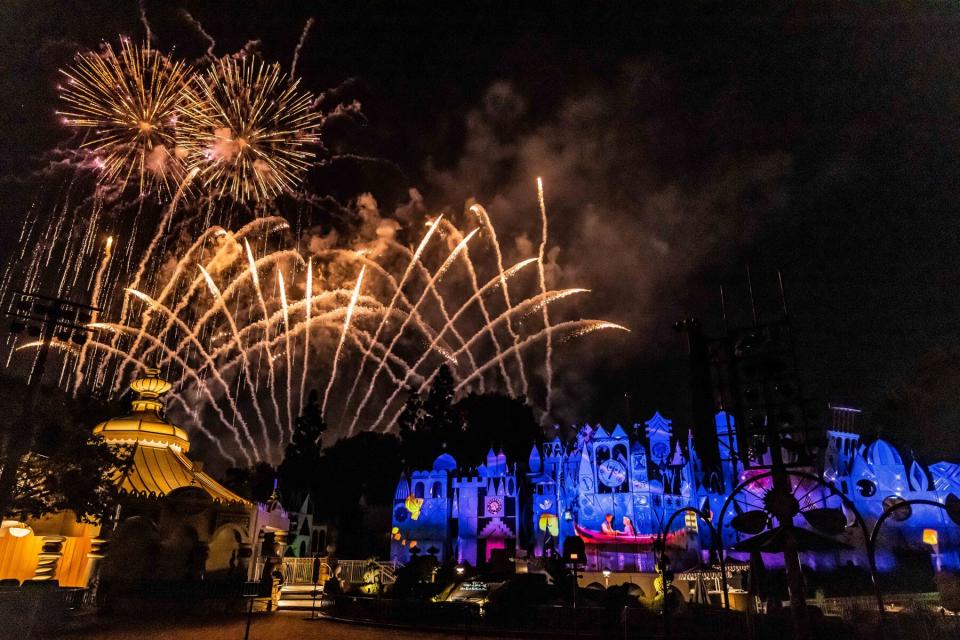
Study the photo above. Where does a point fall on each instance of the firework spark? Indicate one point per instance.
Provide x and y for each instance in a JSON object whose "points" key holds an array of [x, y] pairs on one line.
{"points": [[343, 336], [247, 129], [245, 340], [548, 359], [128, 102], [391, 315]]}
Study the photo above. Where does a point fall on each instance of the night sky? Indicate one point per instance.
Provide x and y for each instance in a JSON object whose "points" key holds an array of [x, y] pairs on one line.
{"points": [[677, 147]]}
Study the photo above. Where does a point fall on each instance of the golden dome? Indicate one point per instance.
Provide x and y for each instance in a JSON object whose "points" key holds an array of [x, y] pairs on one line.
{"points": [[145, 424], [152, 386]]}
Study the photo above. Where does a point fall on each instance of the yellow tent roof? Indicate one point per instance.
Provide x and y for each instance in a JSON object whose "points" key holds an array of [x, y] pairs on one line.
{"points": [[142, 427], [159, 464], [158, 471]]}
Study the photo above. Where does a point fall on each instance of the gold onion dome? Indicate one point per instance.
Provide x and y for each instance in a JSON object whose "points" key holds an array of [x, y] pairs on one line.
{"points": [[145, 425]]}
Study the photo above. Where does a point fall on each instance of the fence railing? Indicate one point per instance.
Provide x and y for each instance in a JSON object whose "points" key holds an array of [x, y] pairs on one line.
{"points": [[843, 607], [299, 571]]}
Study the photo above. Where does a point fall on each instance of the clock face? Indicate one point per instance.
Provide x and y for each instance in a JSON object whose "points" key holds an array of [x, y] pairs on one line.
{"points": [[660, 450], [494, 506], [612, 473]]}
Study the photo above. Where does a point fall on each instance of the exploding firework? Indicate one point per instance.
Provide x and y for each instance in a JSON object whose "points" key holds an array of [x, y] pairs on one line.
{"points": [[247, 129], [242, 329], [244, 320], [128, 104]]}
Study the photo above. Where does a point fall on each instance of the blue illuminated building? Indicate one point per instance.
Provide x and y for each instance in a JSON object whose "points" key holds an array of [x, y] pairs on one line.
{"points": [[615, 489], [469, 516]]}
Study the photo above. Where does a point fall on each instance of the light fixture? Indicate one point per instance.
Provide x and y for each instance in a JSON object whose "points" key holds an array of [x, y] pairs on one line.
{"points": [[16, 528], [19, 531], [460, 569], [606, 573]]}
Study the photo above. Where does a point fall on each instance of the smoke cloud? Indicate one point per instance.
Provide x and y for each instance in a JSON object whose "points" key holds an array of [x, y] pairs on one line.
{"points": [[639, 204]]}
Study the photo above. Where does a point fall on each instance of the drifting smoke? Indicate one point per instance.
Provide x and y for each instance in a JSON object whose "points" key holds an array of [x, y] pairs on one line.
{"points": [[628, 217]]}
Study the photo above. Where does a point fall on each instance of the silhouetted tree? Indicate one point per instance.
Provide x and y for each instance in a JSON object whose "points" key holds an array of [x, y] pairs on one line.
{"points": [[431, 423], [435, 422], [253, 483], [355, 482], [301, 459], [68, 467], [78, 473], [498, 421]]}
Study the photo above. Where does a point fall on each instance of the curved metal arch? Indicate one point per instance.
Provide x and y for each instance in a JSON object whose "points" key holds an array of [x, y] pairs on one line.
{"points": [[875, 533], [717, 544], [236, 528], [889, 511], [861, 523]]}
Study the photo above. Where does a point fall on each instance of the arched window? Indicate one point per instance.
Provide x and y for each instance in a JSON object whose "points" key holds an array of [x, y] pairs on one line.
{"points": [[418, 490], [436, 490], [320, 546]]}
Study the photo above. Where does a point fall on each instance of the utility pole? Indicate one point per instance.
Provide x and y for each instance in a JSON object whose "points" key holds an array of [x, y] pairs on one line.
{"points": [[45, 318], [754, 377]]}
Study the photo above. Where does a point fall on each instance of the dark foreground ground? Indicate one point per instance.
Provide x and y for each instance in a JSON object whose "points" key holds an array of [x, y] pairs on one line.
{"points": [[281, 625]]}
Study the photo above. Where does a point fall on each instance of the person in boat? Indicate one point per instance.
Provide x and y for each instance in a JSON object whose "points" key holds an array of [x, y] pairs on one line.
{"points": [[607, 526], [628, 529]]}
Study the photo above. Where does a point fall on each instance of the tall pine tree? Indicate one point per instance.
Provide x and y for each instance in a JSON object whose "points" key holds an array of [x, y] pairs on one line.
{"points": [[431, 423], [301, 459]]}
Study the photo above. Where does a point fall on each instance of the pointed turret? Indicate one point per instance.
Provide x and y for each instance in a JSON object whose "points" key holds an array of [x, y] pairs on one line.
{"points": [[678, 460], [534, 462], [146, 424], [919, 481], [403, 488]]}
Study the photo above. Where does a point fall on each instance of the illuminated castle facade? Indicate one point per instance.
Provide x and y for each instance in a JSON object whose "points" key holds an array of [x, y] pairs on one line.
{"points": [[616, 489], [470, 517]]}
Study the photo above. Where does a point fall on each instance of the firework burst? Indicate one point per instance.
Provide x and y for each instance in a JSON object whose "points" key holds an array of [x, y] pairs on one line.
{"points": [[247, 129], [128, 104]]}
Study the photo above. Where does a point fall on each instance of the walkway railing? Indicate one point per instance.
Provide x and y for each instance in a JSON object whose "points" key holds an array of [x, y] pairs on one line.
{"points": [[299, 571]]}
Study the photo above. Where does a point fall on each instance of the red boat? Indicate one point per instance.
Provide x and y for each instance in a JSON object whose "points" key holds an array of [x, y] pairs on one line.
{"points": [[599, 537]]}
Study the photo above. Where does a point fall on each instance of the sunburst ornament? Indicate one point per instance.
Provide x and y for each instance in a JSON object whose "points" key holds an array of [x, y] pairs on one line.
{"points": [[128, 104], [248, 129]]}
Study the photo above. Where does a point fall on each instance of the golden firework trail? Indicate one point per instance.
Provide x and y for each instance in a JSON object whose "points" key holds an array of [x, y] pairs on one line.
{"points": [[398, 292], [208, 340], [431, 284], [308, 299], [271, 380], [492, 234], [286, 344], [129, 103], [576, 328], [548, 360], [343, 336], [59, 345], [490, 326], [247, 129], [94, 302], [215, 291], [243, 130]]}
